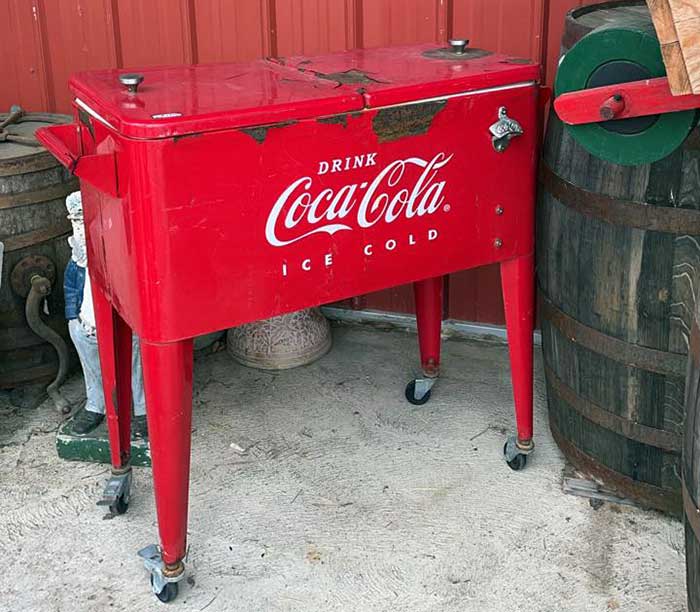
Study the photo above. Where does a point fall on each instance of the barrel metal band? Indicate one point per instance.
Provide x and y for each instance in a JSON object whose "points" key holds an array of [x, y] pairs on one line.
{"points": [[653, 360], [652, 436], [26, 198], [21, 241], [646, 494], [28, 163], [628, 213], [692, 512]]}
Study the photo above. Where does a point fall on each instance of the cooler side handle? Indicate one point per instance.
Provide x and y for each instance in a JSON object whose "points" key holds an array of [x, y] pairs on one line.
{"points": [[99, 170], [62, 143]]}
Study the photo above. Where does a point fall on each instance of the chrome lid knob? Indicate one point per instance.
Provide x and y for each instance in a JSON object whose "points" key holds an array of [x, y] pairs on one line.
{"points": [[458, 45], [131, 81]]}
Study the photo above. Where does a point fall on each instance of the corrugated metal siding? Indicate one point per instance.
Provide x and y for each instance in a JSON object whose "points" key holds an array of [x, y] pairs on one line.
{"points": [[507, 26], [396, 22], [45, 40], [226, 30], [313, 26]]}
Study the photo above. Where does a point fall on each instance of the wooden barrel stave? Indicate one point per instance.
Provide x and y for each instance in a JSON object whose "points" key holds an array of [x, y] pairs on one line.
{"points": [[691, 469], [692, 563], [629, 277]]}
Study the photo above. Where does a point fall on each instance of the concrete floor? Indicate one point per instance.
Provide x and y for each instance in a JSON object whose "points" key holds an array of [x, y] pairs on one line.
{"points": [[348, 499]]}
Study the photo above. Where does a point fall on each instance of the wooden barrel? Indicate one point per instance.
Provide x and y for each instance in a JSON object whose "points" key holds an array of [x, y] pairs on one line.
{"points": [[33, 232], [618, 251], [691, 470]]}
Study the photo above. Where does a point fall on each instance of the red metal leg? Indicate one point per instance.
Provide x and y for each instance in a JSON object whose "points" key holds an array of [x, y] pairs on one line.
{"points": [[167, 376], [518, 284], [114, 346], [428, 296]]}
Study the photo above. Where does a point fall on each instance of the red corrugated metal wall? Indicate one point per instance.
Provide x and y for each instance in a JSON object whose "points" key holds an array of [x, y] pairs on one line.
{"points": [[44, 41]]}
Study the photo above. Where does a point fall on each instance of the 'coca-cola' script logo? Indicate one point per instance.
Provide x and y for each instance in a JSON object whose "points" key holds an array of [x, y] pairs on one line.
{"points": [[299, 213]]}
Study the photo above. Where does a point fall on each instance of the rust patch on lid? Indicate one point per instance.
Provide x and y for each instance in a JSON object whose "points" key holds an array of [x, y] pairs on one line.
{"points": [[334, 119], [445, 53], [516, 60], [259, 133], [409, 120], [348, 77]]}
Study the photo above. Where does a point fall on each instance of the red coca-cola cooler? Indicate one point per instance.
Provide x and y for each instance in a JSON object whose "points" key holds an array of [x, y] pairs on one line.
{"points": [[216, 195]]}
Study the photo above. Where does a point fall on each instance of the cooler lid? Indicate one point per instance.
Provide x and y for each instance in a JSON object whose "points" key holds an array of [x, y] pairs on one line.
{"points": [[181, 100], [396, 75]]}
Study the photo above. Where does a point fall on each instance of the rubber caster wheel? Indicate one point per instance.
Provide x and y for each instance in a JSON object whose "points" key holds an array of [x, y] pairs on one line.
{"points": [[516, 464], [169, 592], [119, 507], [411, 394]]}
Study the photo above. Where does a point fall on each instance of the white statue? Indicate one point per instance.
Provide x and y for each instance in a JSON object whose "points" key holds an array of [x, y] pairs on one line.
{"points": [[81, 325]]}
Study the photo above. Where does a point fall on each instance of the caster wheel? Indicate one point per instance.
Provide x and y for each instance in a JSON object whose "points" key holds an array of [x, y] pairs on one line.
{"points": [[518, 463], [119, 507], [411, 394], [169, 592]]}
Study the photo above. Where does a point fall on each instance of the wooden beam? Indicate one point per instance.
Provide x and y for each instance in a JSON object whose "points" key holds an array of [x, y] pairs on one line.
{"points": [[671, 50], [622, 101], [686, 17]]}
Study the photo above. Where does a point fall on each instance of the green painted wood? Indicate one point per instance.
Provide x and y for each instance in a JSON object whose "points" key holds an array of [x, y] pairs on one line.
{"points": [[94, 447], [632, 284], [633, 40]]}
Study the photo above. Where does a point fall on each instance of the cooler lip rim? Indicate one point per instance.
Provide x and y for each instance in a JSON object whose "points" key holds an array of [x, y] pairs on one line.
{"points": [[144, 135], [342, 99]]}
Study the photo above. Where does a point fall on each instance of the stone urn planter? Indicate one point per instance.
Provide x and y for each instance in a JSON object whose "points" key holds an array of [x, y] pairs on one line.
{"points": [[282, 342]]}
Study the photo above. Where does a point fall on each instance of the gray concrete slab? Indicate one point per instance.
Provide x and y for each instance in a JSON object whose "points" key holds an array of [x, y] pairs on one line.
{"points": [[348, 499]]}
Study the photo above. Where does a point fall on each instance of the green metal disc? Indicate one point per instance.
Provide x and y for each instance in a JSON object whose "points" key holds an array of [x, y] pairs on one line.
{"points": [[621, 44]]}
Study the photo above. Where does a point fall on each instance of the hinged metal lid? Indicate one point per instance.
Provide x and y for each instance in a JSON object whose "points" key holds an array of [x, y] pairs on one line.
{"points": [[176, 101], [181, 100], [398, 75]]}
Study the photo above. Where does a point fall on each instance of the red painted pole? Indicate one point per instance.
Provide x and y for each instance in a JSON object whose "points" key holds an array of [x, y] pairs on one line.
{"points": [[167, 374], [428, 296], [123, 345], [114, 347], [636, 99], [517, 280]]}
